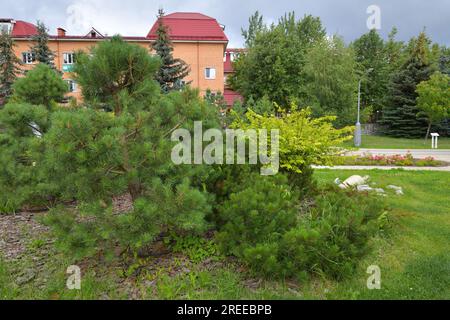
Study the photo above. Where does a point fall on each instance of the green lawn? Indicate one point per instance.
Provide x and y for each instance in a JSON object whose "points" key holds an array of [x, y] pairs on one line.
{"points": [[413, 254], [414, 257], [382, 142]]}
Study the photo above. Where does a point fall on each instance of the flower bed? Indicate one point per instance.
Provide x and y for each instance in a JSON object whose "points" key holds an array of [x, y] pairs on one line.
{"points": [[391, 160]]}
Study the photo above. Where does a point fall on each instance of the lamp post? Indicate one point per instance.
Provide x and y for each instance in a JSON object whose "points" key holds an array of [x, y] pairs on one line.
{"points": [[358, 131]]}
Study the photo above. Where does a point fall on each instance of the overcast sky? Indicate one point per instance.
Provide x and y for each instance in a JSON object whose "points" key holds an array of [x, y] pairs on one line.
{"points": [[135, 17]]}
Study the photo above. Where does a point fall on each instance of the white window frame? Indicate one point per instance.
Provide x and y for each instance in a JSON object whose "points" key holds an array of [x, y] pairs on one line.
{"points": [[73, 86], [212, 73], [7, 26], [69, 58], [28, 57]]}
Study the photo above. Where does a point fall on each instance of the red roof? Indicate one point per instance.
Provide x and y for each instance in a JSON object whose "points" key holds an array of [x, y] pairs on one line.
{"points": [[231, 97], [22, 28], [190, 26]]}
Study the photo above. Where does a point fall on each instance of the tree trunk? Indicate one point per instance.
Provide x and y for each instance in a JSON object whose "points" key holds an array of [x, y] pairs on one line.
{"points": [[428, 132]]}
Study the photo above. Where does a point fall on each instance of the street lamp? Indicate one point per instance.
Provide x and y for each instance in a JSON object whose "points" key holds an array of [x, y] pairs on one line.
{"points": [[358, 131]]}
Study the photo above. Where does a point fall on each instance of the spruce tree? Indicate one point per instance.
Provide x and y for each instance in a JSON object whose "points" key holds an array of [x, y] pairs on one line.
{"points": [[400, 116], [444, 61], [172, 71], [41, 50], [9, 66]]}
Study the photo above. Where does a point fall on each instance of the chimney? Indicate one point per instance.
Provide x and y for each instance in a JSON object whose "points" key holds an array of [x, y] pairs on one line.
{"points": [[61, 33]]}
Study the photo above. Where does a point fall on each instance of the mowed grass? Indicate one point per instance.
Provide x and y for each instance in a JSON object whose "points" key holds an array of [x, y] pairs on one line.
{"points": [[383, 142], [413, 254]]}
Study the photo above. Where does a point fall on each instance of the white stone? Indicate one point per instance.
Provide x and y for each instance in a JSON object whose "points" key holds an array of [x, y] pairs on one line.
{"points": [[354, 181]]}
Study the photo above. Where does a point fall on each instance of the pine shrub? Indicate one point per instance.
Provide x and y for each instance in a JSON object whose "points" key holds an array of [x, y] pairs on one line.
{"points": [[268, 231], [260, 214], [94, 156], [20, 172], [332, 236]]}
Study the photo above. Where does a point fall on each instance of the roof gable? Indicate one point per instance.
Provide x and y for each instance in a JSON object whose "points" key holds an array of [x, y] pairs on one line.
{"points": [[22, 28]]}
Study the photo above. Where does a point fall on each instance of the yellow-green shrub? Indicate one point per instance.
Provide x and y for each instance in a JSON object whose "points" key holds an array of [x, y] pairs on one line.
{"points": [[304, 141]]}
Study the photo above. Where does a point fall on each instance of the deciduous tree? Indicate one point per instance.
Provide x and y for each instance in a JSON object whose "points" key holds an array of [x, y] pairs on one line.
{"points": [[331, 81], [434, 99], [273, 65]]}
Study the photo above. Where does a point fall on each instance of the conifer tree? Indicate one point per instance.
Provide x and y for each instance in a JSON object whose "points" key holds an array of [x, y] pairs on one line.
{"points": [[41, 86], [41, 50], [444, 61], [172, 71], [400, 116], [9, 66], [93, 155]]}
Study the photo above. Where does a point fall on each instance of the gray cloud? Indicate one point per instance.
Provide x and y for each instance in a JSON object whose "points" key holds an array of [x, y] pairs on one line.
{"points": [[135, 17]]}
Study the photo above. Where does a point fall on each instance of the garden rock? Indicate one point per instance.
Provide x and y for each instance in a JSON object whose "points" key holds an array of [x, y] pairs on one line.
{"points": [[353, 182], [398, 190], [367, 188]]}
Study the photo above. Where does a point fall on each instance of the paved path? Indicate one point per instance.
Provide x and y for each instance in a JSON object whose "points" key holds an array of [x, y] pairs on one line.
{"points": [[444, 169], [438, 154]]}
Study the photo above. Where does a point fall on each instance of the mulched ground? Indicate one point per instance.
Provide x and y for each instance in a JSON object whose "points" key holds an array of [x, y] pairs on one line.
{"points": [[27, 247], [17, 233]]}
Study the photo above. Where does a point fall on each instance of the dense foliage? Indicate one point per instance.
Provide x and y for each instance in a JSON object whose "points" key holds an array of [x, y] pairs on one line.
{"points": [[114, 72], [9, 66], [95, 156], [41, 86], [373, 64], [434, 98], [293, 61], [304, 141], [20, 179], [331, 79], [79, 160], [273, 65], [265, 227], [401, 114]]}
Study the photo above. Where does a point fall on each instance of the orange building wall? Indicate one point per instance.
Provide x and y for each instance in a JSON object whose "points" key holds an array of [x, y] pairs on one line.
{"points": [[200, 56], [197, 55]]}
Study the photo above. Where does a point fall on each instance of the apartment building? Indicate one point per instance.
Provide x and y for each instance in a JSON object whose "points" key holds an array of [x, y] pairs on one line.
{"points": [[199, 40]]}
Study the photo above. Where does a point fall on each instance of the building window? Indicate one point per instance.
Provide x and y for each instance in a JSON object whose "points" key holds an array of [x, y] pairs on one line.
{"points": [[69, 58], [28, 57], [72, 85], [5, 27], [210, 73]]}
